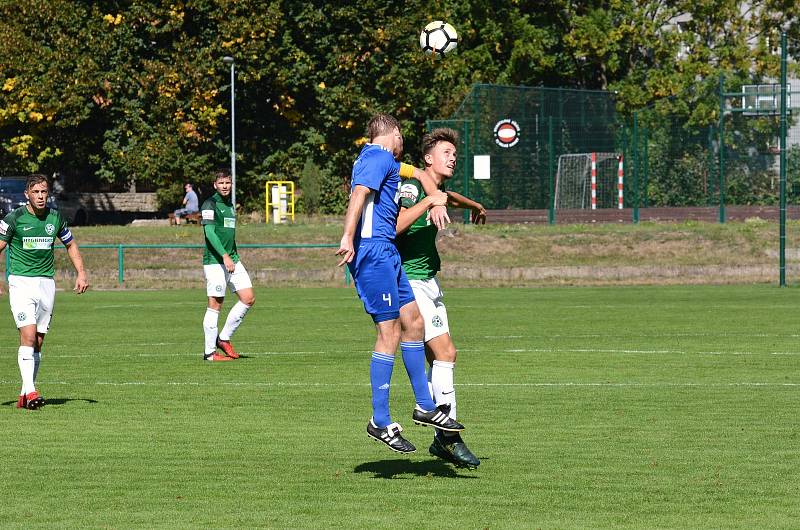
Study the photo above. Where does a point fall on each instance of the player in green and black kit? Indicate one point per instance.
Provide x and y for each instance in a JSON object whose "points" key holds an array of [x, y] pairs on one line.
{"points": [[30, 232], [416, 241], [222, 269]]}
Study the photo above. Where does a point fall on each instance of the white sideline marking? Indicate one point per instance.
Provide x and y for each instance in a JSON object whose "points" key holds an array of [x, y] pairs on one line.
{"points": [[504, 385], [604, 350], [654, 334], [120, 306], [50, 355]]}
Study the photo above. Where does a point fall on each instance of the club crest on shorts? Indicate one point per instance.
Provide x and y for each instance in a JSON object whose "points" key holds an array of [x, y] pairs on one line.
{"points": [[50, 229], [437, 321], [218, 288], [20, 316]]}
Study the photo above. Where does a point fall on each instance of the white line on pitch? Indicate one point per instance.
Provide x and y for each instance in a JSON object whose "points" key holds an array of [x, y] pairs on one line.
{"points": [[489, 385], [49, 354], [603, 350]]}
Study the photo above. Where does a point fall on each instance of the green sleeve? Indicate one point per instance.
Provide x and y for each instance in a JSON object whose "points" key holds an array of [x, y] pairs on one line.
{"points": [[411, 193], [7, 227], [211, 237]]}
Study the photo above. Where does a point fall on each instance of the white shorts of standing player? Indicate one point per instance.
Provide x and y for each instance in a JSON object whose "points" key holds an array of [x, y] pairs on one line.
{"points": [[31, 299], [218, 279], [429, 298]]}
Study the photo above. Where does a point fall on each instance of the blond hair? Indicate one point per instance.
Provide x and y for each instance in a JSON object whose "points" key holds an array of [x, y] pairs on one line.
{"points": [[380, 125]]}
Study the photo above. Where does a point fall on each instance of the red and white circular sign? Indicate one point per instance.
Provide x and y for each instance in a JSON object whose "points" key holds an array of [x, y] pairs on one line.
{"points": [[506, 133]]}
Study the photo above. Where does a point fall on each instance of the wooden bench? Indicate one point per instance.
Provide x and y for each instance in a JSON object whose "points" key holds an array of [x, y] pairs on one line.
{"points": [[189, 218]]}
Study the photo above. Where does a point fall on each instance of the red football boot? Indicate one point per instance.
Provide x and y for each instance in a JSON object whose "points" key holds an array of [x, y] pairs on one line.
{"points": [[216, 357], [227, 348], [33, 401]]}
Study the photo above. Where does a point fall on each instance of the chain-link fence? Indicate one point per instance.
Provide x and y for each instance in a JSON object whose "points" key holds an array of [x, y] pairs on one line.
{"points": [[532, 148], [512, 139]]}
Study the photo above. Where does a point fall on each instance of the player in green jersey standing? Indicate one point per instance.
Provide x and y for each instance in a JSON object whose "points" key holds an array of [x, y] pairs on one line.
{"points": [[416, 241], [222, 270], [30, 232]]}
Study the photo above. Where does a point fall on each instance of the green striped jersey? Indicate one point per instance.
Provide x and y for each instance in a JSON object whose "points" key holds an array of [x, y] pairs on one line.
{"points": [[219, 212], [417, 245], [30, 239]]}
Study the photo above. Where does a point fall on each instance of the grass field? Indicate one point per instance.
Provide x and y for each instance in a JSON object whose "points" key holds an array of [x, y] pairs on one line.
{"points": [[656, 407]]}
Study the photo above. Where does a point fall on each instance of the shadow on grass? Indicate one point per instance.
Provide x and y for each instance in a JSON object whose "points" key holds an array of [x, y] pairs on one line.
{"points": [[53, 401], [390, 469], [64, 401]]}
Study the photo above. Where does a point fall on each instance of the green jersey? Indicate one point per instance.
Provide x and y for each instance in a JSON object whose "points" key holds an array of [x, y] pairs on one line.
{"points": [[219, 213], [30, 240], [417, 245]]}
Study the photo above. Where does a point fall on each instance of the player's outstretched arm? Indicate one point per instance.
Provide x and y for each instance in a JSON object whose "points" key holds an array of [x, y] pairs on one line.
{"points": [[407, 216], [456, 200], [81, 282], [438, 214], [357, 199]]}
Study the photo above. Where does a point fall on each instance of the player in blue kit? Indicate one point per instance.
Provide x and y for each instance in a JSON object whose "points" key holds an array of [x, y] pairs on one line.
{"points": [[368, 247]]}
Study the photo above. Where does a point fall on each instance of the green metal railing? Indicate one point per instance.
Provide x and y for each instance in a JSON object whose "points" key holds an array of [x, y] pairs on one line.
{"points": [[121, 252]]}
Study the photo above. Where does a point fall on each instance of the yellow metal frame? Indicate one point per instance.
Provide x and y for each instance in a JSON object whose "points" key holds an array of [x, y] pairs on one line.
{"points": [[289, 197]]}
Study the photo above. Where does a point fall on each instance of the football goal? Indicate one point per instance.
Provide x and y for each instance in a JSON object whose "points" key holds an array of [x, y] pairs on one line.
{"points": [[589, 180]]}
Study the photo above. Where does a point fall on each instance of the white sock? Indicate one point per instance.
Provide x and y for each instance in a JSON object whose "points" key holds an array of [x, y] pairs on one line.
{"points": [[210, 330], [235, 317], [26, 366], [444, 392], [37, 359]]}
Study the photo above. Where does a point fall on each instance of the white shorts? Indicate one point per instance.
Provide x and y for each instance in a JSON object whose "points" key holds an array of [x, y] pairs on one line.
{"points": [[217, 278], [31, 300], [429, 299]]}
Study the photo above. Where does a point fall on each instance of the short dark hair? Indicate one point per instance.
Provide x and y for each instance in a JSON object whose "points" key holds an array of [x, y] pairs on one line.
{"points": [[221, 174], [380, 125], [34, 179], [443, 134]]}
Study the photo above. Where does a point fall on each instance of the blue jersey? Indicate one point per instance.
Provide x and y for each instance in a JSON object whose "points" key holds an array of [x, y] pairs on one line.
{"points": [[377, 169]]}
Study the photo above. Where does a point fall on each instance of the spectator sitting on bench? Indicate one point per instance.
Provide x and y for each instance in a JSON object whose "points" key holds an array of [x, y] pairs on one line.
{"points": [[190, 204]]}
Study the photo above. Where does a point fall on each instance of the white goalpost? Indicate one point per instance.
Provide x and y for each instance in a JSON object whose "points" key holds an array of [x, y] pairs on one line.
{"points": [[583, 178]]}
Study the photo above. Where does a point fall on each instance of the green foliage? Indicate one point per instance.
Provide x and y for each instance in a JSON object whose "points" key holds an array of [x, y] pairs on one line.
{"points": [[169, 197], [310, 183], [136, 93]]}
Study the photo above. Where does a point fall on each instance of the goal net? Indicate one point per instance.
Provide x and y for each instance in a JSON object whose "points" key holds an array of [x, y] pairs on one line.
{"points": [[589, 180]]}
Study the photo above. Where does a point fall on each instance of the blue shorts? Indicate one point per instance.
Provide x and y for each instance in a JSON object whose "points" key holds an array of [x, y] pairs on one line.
{"points": [[380, 280]]}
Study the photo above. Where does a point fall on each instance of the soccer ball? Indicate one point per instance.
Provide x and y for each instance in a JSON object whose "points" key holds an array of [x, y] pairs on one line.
{"points": [[438, 37]]}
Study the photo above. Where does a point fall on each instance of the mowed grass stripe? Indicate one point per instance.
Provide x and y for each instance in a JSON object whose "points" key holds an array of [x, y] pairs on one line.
{"points": [[576, 426]]}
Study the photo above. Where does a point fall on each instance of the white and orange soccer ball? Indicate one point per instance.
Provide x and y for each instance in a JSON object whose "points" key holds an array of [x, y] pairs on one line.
{"points": [[438, 38]]}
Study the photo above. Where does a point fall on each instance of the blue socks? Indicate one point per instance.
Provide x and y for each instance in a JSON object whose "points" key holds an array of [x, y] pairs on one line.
{"points": [[414, 360], [380, 377]]}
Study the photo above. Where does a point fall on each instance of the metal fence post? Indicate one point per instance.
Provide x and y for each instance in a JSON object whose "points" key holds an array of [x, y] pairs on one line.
{"points": [[635, 143], [783, 164], [721, 148], [121, 264], [551, 155]]}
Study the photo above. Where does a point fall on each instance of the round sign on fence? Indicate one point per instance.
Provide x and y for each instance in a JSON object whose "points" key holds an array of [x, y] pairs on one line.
{"points": [[506, 133]]}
